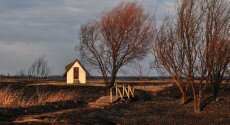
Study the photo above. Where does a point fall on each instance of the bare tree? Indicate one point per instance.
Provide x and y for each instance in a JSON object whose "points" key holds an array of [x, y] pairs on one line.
{"points": [[119, 36], [177, 46], [40, 69], [170, 56], [189, 25], [195, 46], [217, 41]]}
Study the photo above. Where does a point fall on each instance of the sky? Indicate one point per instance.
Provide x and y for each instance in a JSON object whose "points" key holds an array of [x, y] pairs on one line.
{"points": [[33, 28]]}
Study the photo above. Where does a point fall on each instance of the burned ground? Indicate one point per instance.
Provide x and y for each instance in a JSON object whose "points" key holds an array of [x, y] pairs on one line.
{"points": [[146, 108]]}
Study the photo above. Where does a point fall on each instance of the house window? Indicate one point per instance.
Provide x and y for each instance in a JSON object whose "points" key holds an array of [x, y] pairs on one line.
{"points": [[76, 73]]}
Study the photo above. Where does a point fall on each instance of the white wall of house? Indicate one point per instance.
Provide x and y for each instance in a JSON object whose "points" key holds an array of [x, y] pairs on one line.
{"points": [[70, 74]]}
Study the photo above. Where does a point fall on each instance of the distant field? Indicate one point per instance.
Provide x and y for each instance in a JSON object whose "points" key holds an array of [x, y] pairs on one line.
{"points": [[98, 81]]}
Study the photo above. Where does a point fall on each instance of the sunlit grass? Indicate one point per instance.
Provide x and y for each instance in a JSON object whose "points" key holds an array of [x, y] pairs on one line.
{"points": [[16, 98]]}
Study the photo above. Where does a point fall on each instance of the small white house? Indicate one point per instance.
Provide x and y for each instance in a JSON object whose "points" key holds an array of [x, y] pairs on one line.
{"points": [[75, 72]]}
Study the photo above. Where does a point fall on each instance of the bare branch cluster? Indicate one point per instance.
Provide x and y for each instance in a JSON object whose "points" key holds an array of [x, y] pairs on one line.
{"points": [[40, 68]]}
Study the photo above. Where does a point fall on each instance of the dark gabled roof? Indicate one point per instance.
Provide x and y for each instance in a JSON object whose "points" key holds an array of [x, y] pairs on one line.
{"points": [[69, 66]]}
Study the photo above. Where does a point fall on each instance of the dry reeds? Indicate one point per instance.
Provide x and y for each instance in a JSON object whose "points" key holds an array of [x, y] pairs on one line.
{"points": [[16, 98], [9, 98], [61, 95]]}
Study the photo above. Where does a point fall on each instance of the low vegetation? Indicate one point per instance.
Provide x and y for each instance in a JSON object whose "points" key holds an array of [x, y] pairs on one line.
{"points": [[16, 98]]}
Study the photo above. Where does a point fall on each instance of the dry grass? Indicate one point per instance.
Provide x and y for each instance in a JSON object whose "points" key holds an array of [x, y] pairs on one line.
{"points": [[16, 98], [153, 88], [62, 95], [9, 98]]}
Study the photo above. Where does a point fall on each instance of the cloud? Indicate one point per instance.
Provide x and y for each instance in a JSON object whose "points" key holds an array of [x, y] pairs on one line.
{"points": [[16, 56], [30, 28]]}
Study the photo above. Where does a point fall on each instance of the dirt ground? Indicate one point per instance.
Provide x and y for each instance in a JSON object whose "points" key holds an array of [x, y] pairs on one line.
{"points": [[148, 107]]}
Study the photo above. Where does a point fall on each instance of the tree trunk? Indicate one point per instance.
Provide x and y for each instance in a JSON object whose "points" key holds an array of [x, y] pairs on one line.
{"points": [[113, 77], [195, 100], [112, 81], [199, 101], [216, 88], [183, 98], [195, 104], [183, 90]]}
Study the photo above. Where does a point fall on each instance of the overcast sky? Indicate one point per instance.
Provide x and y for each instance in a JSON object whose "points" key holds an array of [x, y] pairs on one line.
{"points": [[32, 28]]}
